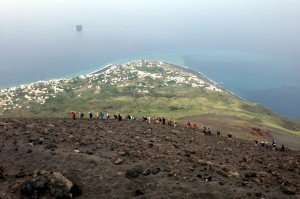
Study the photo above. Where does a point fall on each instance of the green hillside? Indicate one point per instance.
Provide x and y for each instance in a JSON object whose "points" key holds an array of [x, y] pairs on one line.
{"points": [[140, 88]]}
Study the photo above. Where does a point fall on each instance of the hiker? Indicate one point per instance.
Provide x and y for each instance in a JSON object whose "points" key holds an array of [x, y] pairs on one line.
{"points": [[129, 118], [144, 118], [90, 115], [188, 125], [266, 145], [153, 119], [282, 147], [107, 115], [193, 125], [101, 116], [149, 120], [163, 121], [273, 143], [73, 113], [208, 131], [157, 120], [81, 115], [120, 118], [174, 123]]}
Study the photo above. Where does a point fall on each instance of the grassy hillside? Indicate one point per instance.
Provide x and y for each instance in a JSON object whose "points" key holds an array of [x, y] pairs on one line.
{"points": [[141, 89]]}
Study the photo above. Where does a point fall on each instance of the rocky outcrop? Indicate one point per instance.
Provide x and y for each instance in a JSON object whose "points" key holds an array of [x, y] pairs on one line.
{"points": [[49, 183]]}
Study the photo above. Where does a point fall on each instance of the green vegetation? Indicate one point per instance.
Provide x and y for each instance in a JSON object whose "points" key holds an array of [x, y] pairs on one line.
{"points": [[171, 102], [146, 96]]}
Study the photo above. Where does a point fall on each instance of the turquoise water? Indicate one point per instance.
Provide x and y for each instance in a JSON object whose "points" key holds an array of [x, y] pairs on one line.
{"points": [[252, 47]]}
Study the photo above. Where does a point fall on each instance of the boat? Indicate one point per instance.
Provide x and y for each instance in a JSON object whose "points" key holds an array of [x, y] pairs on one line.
{"points": [[79, 27]]}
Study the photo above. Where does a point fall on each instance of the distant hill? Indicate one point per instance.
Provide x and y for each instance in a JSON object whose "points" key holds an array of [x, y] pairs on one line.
{"points": [[146, 88]]}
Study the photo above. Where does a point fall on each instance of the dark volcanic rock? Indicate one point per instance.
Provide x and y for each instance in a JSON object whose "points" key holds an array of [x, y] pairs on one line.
{"points": [[221, 183], [76, 190], [289, 190], [150, 144], [51, 146], [59, 190], [41, 141], [21, 174], [41, 183], [28, 188], [250, 175], [167, 169], [138, 192], [53, 183], [89, 152], [155, 171], [259, 195], [35, 187], [199, 176], [1, 173], [134, 172]]}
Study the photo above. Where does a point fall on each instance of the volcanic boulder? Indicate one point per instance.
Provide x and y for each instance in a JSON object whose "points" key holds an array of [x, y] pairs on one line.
{"points": [[53, 183]]}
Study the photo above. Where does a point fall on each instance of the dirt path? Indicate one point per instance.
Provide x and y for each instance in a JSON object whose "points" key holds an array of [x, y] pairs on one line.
{"points": [[246, 130], [292, 141]]}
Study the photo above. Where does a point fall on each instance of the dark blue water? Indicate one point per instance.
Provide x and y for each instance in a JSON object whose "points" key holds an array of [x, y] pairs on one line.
{"points": [[252, 47], [264, 81]]}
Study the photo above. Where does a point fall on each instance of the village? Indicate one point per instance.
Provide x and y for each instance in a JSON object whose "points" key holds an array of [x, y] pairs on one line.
{"points": [[140, 74]]}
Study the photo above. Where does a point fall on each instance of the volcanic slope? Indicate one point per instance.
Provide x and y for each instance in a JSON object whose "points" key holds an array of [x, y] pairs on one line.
{"points": [[114, 159], [150, 88]]}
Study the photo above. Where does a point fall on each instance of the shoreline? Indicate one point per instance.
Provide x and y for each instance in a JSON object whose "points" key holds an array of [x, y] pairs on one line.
{"points": [[106, 66]]}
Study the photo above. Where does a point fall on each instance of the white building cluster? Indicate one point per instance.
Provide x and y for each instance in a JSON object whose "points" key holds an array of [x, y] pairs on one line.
{"points": [[140, 74]]}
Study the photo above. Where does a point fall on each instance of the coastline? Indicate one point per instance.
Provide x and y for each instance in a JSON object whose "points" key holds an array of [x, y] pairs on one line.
{"points": [[198, 73], [106, 66]]}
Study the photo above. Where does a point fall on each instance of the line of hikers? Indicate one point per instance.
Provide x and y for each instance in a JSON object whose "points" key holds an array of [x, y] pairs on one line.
{"points": [[273, 145], [161, 120], [194, 126], [158, 120], [100, 115], [207, 131], [105, 116]]}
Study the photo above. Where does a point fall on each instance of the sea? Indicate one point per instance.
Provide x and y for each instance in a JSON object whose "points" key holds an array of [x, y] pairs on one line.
{"points": [[251, 47]]}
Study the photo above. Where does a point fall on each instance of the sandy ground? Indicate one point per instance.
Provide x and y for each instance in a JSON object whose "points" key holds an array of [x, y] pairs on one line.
{"points": [[114, 159]]}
